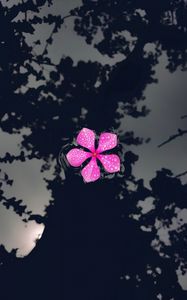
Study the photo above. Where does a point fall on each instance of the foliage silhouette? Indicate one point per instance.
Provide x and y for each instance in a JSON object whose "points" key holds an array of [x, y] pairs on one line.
{"points": [[97, 243], [173, 137]]}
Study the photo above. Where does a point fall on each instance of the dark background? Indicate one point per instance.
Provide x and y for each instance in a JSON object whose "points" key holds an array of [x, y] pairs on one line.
{"points": [[115, 66]]}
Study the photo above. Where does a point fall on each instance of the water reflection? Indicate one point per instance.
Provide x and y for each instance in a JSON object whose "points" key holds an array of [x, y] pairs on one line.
{"points": [[130, 227], [28, 185], [17, 234], [167, 104]]}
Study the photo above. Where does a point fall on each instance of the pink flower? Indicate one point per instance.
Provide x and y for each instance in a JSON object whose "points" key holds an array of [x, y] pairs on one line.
{"points": [[86, 139]]}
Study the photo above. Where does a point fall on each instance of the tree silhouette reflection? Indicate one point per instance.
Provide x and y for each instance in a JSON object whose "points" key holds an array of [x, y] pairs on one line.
{"points": [[93, 246]]}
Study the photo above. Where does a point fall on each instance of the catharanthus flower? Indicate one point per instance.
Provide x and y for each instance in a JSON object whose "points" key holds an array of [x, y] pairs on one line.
{"points": [[86, 139]]}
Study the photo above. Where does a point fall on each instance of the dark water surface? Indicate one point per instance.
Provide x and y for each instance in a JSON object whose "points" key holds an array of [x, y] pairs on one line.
{"points": [[112, 66]]}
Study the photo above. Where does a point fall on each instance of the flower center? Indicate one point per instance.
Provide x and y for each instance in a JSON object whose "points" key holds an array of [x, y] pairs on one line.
{"points": [[94, 154]]}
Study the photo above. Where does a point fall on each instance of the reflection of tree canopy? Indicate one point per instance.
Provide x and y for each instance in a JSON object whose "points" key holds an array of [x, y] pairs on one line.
{"points": [[118, 26], [54, 101]]}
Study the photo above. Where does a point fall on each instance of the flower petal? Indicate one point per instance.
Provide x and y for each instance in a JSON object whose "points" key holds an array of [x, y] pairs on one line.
{"points": [[86, 138], [76, 157], [91, 171], [107, 141], [111, 162]]}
